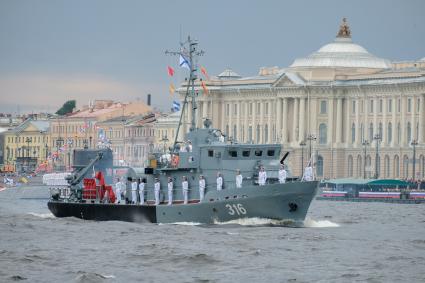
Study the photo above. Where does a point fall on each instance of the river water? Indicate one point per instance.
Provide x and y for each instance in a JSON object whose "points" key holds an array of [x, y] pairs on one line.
{"points": [[341, 242]]}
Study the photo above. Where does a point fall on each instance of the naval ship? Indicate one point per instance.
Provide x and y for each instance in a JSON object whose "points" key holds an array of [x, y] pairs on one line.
{"points": [[211, 152]]}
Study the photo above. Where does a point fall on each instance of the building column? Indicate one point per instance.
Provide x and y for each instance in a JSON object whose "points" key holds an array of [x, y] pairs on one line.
{"points": [[278, 117], [295, 121], [421, 138], [358, 133], [261, 123], [230, 122], [246, 124], [330, 121], [284, 129], [312, 112], [223, 113], [394, 121], [413, 119], [238, 120], [338, 120], [403, 121], [254, 121], [269, 121], [301, 130], [384, 122], [347, 123]]}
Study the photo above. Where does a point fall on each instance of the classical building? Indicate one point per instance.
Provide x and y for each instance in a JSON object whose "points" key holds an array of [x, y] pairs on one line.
{"points": [[166, 129], [80, 128], [27, 145], [354, 113]]}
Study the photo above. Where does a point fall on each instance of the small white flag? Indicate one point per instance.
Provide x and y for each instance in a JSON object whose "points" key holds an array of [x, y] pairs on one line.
{"points": [[184, 63]]}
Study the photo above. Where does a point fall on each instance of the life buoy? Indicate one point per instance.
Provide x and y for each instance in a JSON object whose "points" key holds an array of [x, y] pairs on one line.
{"points": [[175, 161]]}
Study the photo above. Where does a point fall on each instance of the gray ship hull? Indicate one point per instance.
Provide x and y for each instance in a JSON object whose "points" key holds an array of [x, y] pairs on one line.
{"points": [[288, 201]]}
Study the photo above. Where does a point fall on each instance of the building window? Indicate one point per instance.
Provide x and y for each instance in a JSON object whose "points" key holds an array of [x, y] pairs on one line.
{"points": [[371, 106], [323, 134], [242, 136], [380, 129], [266, 133], [370, 132], [398, 105], [362, 137], [409, 132], [323, 105], [362, 106], [409, 105], [250, 109], [390, 132], [353, 107], [227, 109], [380, 105], [405, 166], [350, 166], [359, 166], [258, 108], [398, 133], [353, 133], [227, 130], [266, 108], [250, 134], [319, 166], [390, 105], [418, 105], [235, 109], [258, 133], [235, 132], [387, 166]]}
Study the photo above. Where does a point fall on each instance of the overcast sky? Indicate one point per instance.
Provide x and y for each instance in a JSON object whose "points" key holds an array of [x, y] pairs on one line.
{"points": [[53, 51]]}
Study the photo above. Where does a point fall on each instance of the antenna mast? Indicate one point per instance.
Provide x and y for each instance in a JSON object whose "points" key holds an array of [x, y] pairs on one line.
{"points": [[190, 56]]}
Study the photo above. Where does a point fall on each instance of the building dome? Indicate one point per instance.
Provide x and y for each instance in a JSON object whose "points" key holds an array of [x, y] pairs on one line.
{"points": [[228, 74], [342, 53]]}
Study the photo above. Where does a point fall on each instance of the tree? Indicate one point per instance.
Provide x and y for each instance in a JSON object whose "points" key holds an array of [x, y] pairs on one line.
{"points": [[66, 108]]}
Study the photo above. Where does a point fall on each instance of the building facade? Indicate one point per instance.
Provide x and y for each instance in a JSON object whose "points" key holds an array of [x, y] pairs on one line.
{"points": [[81, 128], [166, 130], [27, 145], [352, 113]]}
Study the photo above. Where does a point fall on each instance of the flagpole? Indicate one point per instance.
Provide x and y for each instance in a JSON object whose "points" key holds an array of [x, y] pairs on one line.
{"points": [[190, 83]]}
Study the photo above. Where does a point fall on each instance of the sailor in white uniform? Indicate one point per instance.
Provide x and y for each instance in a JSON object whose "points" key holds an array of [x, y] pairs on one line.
{"points": [[282, 174], [219, 182], [308, 174], [134, 191], [157, 188], [118, 187], [170, 191], [201, 188], [238, 179], [142, 191], [262, 177], [185, 189]]}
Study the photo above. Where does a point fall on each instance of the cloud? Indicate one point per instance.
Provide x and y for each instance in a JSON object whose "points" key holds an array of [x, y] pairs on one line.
{"points": [[52, 90]]}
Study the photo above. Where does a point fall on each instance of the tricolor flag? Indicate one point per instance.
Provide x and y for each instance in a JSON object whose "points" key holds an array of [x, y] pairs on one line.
{"points": [[184, 63], [171, 88], [204, 87], [204, 72], [170, 71], [176, 105]]}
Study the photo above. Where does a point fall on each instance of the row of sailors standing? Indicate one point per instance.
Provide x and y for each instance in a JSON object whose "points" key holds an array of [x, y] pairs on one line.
{"points": [[120, 187]]}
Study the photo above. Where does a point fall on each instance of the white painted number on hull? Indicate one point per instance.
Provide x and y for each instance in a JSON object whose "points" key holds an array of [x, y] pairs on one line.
{"points": [[236, 209]]}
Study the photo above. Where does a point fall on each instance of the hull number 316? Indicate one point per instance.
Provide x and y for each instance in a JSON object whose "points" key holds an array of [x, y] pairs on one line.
{"points": [[236, 209]]}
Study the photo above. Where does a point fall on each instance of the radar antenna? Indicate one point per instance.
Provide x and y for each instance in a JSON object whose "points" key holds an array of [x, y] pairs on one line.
{"points": [[187, 59]]}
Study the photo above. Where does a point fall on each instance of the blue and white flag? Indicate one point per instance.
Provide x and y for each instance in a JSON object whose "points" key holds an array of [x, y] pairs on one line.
{"points": [[184, 63], [176, 106]]}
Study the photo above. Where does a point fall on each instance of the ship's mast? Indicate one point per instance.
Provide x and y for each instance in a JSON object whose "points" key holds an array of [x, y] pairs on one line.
{"points": [[190, 56]]}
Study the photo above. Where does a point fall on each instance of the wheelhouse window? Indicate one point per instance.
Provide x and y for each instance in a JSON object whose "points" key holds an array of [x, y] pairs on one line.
{"points": [[270, 152], [258, 152], [210, 153], [246, 153], [233, 153]]}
